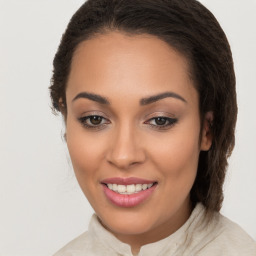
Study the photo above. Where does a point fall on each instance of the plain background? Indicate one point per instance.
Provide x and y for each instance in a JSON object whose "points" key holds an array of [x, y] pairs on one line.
{"points": [[41, 205]]}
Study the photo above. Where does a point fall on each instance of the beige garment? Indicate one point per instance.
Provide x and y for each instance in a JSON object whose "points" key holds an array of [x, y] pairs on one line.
{"points": [[220, 237]]}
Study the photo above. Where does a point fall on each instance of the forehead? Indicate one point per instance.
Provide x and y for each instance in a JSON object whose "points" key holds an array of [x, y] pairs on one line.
{"points": [[133, 64]]}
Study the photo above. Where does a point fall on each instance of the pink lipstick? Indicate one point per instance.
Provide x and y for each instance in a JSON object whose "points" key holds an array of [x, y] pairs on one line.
{"points": [[128, 192]]}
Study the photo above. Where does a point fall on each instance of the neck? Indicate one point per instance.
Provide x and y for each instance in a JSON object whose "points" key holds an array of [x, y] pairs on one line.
{"points": [[136, 241]]}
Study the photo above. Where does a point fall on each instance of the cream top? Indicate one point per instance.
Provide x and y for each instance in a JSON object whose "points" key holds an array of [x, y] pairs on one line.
{"points": [[220, 237]]}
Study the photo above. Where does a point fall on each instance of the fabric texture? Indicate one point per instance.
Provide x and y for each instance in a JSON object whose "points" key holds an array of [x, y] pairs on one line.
{"points": [[196, 237]]}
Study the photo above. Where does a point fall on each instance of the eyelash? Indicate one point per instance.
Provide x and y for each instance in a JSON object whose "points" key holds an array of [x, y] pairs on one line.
{"points": [[170, 122], [84, 119]]}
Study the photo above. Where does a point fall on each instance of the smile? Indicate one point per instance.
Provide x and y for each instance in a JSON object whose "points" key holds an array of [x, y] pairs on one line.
{"points": [[128, 192], [129, 189]]}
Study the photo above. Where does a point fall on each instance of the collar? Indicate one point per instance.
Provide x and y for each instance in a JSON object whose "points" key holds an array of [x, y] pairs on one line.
{"points": [[173, 243]]}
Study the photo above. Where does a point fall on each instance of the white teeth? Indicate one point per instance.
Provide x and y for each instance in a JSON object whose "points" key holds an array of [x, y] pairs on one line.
{"points": [[150, 185], [121, 188], [129, 189], [138, 187], [110, 186], [144, 186], [114, 187]]}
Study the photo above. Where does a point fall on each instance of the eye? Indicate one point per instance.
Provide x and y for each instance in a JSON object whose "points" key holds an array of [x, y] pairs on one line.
{"points": [[161, 122], [93, 121]]}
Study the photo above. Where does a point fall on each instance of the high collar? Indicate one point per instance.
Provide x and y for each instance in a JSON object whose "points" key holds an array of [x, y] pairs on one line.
{"points": [[173, 243]]}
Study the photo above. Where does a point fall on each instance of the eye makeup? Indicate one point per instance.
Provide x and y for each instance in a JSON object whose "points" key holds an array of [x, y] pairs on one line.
{"points": [[95, 122], [98, 122]]}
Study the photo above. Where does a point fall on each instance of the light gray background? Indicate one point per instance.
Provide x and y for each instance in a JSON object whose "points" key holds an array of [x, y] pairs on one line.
{"points": [[41, 205]]}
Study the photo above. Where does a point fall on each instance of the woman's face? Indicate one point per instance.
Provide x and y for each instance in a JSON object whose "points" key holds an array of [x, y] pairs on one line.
{"points": [[132, 131]]}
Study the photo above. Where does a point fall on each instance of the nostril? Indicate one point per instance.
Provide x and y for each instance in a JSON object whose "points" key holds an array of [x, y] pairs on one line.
{"points": [[124, 160]]}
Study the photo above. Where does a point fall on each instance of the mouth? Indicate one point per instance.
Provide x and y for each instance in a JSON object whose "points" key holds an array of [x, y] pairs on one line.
{"points": [[128, 192], [129, 189]]}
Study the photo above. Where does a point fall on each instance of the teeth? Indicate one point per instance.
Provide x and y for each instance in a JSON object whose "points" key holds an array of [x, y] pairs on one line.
{"points": [[129, 189], [114, 187], [121, 188], [150, 185], [144, 186], [138, 187]]}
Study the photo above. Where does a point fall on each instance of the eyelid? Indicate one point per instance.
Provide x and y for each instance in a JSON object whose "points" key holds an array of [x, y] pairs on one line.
{"points": [[93, 113], [160, 114], [170, 119], [86, 115]]}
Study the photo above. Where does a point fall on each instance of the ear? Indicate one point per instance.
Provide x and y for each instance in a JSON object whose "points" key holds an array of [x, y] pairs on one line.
{"points": [[61, 106], [206, 137], [64, 136]]}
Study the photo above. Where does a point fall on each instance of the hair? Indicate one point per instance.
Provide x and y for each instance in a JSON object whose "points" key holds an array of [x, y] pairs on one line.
{"points": [[192, 30]]}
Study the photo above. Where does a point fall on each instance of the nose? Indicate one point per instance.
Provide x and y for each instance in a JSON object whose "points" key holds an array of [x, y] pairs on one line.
{"points": [[125, 148]]}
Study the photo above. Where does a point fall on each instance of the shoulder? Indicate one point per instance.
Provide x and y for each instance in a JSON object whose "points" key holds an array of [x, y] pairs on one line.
{"points": [[90, 242], [235, 235], [224, 237], [76, 246]]}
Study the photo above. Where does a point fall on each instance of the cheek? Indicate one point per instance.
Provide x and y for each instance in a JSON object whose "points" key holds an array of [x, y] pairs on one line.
{"points": [[86, 152], [176, 155]]}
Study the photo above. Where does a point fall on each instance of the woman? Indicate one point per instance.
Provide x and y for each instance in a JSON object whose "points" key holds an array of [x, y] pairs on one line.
{"points": [[147, 91]]}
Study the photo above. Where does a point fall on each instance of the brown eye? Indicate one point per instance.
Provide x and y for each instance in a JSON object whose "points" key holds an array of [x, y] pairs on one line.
{"points": [[95, 120], [160, 120]]}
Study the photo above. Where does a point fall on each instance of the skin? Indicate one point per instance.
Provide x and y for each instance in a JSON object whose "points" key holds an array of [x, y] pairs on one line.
{"points": [[128, 142]]}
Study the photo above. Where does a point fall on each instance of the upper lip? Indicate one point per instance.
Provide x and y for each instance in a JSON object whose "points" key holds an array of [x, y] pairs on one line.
{"points": [[126, 181]]}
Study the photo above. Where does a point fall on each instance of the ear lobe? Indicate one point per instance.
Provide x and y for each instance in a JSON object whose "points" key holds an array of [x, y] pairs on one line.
{"points": [[65, 136], [61, 106], [206, 140]]}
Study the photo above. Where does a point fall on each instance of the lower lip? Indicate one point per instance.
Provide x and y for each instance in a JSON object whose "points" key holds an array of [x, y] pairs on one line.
{"points": [[128, 200]]}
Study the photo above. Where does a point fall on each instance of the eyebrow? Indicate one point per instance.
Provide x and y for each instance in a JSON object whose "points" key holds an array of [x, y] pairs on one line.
{"points": [[157, 97], [143, 101], [93, 97]]}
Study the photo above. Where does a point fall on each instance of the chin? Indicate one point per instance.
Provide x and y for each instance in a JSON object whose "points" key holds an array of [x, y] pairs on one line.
{"points": [[132, 226], [125, 221]]}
